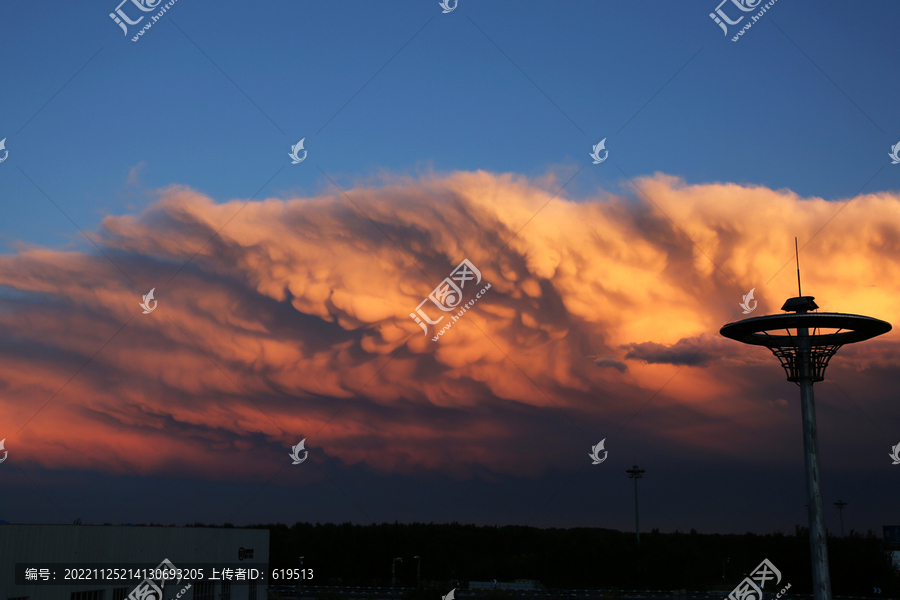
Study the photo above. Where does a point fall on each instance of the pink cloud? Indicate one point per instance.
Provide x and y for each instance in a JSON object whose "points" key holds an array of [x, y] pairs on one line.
{"points": [[296, 305]]}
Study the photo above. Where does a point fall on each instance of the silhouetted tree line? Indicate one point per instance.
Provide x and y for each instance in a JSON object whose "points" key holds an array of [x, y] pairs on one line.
{"points": [[357, 555]]}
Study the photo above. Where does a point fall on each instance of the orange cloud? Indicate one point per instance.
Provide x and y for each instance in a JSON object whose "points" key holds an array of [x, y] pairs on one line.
{"points": [[294, 321]]}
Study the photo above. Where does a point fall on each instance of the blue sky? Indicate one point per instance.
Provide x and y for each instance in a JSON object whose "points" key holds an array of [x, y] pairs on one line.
{"points": [[666, 89]]}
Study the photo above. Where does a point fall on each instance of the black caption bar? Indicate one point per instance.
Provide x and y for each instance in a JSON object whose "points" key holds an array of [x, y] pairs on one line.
{"points": [[132, 574]]}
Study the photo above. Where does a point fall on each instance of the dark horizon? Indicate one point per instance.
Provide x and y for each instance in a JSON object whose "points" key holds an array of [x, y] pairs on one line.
{"points": [[349, 555]]}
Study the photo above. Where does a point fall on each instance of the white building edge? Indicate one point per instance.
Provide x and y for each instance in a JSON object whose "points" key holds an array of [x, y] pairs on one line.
{"points": [[122, 545]]}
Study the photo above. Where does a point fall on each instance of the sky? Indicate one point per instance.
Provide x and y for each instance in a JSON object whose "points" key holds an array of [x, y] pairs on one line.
{"points": [[283, 292]]}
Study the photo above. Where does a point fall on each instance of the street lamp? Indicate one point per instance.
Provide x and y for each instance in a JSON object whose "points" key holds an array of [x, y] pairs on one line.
{"points": [[635, 473], [840, 506], [418, 569], [804, 354], [394, 571]]}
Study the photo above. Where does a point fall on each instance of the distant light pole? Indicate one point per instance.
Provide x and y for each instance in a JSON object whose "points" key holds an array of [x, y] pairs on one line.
{"points": [[723, 567], [302, 575], [840, 506], [394, 571], [418, 570], [635, 473]]}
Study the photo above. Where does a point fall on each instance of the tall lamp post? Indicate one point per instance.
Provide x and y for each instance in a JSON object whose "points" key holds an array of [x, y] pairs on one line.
{"points": [[635, 473], [805, 356], [840, 506], [418, 570], [394, 571]]}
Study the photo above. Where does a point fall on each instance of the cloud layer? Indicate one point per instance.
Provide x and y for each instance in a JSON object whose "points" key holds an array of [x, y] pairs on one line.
{"points": [[283, 319]]}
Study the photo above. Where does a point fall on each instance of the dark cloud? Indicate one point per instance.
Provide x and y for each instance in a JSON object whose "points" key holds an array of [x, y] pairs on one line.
{"points": [[601, 361], [687, 351]]}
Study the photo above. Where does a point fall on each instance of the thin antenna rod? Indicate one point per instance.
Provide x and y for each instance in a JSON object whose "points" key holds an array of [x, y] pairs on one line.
{"points": [[797, 255]]}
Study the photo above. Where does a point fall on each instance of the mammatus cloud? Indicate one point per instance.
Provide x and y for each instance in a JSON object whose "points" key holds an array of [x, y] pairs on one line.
{"points": [[294, 322]]}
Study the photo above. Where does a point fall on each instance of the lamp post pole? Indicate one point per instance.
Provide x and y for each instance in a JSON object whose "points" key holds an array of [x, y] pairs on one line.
{"points": [[840, 506], [635, 473], [394, 571], [418, 570], [302, 576], [817, 535]]}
